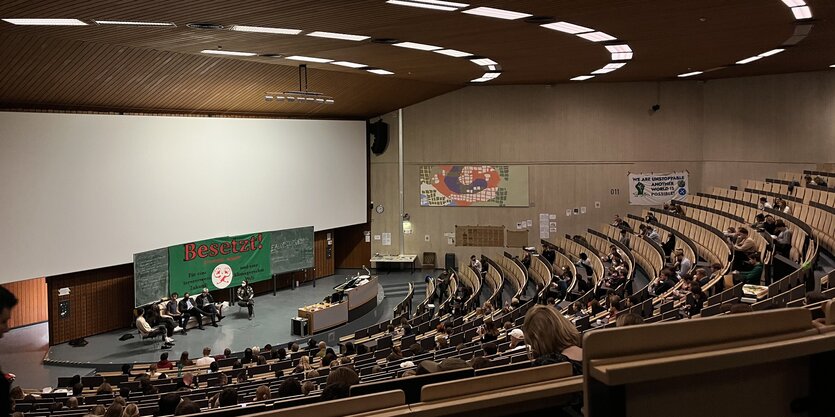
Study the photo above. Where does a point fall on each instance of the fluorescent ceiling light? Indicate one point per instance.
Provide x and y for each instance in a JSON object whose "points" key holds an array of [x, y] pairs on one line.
{"points": [[771, 52], [497, 13], [259, 29], [582, 77], [619, 48], [430, 4], [46, 22], [803, 12], [597, 36], [380, 72], [230, 53], [486, 77], [349, 64], [609, 68], [747, 60], [342, 36], [483, 61], [621, 56], [419, 46], [129, 23], [567, 27], [689, 74], [832, 66], [309, 59], [491, 67], [453, 52], [794, 3]]}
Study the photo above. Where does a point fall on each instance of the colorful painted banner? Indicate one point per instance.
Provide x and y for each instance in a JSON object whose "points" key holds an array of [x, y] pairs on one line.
{"points": [[474, 186], [655, 189], [219, 263]]}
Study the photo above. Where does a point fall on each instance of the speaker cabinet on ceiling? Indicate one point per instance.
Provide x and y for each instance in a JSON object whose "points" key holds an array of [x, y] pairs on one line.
{"points": [[378, 136]]}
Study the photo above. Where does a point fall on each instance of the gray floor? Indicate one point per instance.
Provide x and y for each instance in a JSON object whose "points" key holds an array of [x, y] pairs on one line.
{"points": [[23, 349]]}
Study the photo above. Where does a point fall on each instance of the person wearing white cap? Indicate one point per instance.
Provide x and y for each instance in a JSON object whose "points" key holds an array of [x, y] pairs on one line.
{"points": [[517, 340]]}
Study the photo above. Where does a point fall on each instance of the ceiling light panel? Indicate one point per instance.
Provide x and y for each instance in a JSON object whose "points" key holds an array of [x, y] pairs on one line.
{"points": [[689, 74], [748, 60], [418, 46], [453, 53], [228, 53], [483, 61], [496, 13], [349, 64], [261, 29], [618, 48], [597, 36], [621, 56], [341, 36], [771, 52], [309, 59], [129, 23], [567, 27], [380, 71], [794, 3], [582, 78], [803, 12], [422, 5], [45, 22]]}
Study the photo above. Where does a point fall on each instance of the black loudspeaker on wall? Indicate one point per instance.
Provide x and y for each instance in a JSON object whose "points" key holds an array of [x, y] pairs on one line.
{"points": [[378, 135]]}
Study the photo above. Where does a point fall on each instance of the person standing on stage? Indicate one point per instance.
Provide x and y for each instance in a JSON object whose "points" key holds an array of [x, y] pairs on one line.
{"points": [[207, 304], [245, 297], [7, 303]]}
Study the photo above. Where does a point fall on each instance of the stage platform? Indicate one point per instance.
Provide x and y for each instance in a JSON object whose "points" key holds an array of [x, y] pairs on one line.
{"points": [[271, 324]]}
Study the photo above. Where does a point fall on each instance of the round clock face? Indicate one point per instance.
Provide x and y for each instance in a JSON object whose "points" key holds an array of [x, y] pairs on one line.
{"points": [[380, 209]]}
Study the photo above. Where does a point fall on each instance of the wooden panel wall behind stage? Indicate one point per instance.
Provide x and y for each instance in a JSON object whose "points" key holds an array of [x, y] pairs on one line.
{"points": [[100, 300], [323, 259], [31, 306], [352, 251]]}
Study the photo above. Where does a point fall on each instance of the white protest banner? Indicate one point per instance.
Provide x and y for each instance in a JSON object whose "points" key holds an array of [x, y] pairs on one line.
{"points": [[655, 189]]}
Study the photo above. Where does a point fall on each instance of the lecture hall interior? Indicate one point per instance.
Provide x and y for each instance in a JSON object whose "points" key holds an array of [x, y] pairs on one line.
{"points": [[417, 208]]}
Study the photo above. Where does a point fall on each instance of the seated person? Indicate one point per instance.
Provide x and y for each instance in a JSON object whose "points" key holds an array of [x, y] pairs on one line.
{"points": [[207, 305], [770, 225], [246, 297], [682, 265], [783, 239], [743, 248], [663, 283], [753, 274], [173, 310], [146, 329], [189, 309], [759, 222]]}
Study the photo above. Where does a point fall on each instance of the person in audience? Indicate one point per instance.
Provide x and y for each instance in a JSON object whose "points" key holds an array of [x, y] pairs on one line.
{"points": [[517, 340], [753, 274], [322, 350], [700, 276], [131, 410], [416, 349], [207, 304], [715, 274], [698, 299], [783, 239], [104, 388], [585, 263], [651, 234], [361, 349], [770, 225], [780, 205], [759, 222], [164, 363], [553, 338], [294, 347], [189, 309], [764, 204], [185, 407], [489, 332], [114, 410], [594, 307], [246, 297], [683, 264], [77, 389], [126, 369], [289, 387], [184, 361], [187, 381], [343, 375], [214, 367], [490, 349], [334, 392], [280, 353], [479, 362], [206, 359], [98, 410], [669, 245], [475, 263], [663, 283], [624, 238], [820, 182], [311, 374], [629, 319], [72, 403], [153, 371], [307, 387], [143, 326], [743, 248], [304, 364], [228, 397]]}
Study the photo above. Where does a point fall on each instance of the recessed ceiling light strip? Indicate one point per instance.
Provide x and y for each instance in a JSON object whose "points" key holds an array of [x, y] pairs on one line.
{"points": [[130, 23]]}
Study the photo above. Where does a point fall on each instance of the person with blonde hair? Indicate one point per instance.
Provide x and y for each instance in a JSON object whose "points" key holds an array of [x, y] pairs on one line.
{"points": [[131, 410], [262, 393], [553, 338]]}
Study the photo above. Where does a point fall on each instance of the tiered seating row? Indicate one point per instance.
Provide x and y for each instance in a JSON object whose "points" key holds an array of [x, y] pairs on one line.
{"points": [[514, 272]]}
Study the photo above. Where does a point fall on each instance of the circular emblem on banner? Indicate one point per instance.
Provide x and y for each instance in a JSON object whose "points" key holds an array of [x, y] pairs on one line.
{"points": [[682, 191], [222, 276]]}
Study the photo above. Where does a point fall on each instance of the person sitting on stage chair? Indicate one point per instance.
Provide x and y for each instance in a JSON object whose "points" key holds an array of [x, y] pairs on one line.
{"points": [[207, 304], [189, 309], [245, 297], [173, 310], [146, 329]]}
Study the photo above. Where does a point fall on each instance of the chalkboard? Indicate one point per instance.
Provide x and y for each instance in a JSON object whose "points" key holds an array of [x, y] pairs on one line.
{"points": [[291, 250], [150, 276]]}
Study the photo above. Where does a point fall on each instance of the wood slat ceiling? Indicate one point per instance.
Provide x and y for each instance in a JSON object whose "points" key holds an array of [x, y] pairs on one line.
{"points": [[160, 70]]}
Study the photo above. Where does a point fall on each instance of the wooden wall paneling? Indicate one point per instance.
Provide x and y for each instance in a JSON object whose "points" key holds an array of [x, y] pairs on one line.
{"points": [[323, 263], [350, 248], [100, 300], [32, 302]]}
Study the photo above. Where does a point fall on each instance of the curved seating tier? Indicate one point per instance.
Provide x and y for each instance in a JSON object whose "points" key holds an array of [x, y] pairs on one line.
{"points": [[515, 273]]}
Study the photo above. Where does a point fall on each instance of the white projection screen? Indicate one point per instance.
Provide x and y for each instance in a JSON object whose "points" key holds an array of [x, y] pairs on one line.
{"points": [[88, 191]]}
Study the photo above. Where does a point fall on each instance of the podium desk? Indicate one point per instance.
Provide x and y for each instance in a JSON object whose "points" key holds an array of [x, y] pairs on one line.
{"points": [[323, 316]]}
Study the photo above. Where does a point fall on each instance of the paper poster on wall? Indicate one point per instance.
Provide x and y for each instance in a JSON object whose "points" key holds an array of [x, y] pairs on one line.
{"points": [[450, 241], [376, 237], [552, 225], [386, 239], [552, 216], [655, 189], [567, 212], [368, 238], [583, 210], [529, 222], [519, 226]]}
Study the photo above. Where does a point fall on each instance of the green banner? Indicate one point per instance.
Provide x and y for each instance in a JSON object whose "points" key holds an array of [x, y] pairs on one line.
{"points": [[218, 263]]}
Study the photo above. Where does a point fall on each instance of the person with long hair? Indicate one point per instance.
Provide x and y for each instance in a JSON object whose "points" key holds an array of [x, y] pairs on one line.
{"points": [[552, 338]]}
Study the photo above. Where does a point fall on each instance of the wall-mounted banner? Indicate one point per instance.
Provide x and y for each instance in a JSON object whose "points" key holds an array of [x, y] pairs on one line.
{"points": [[655, 189], [474, 186], [219, 263]]}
